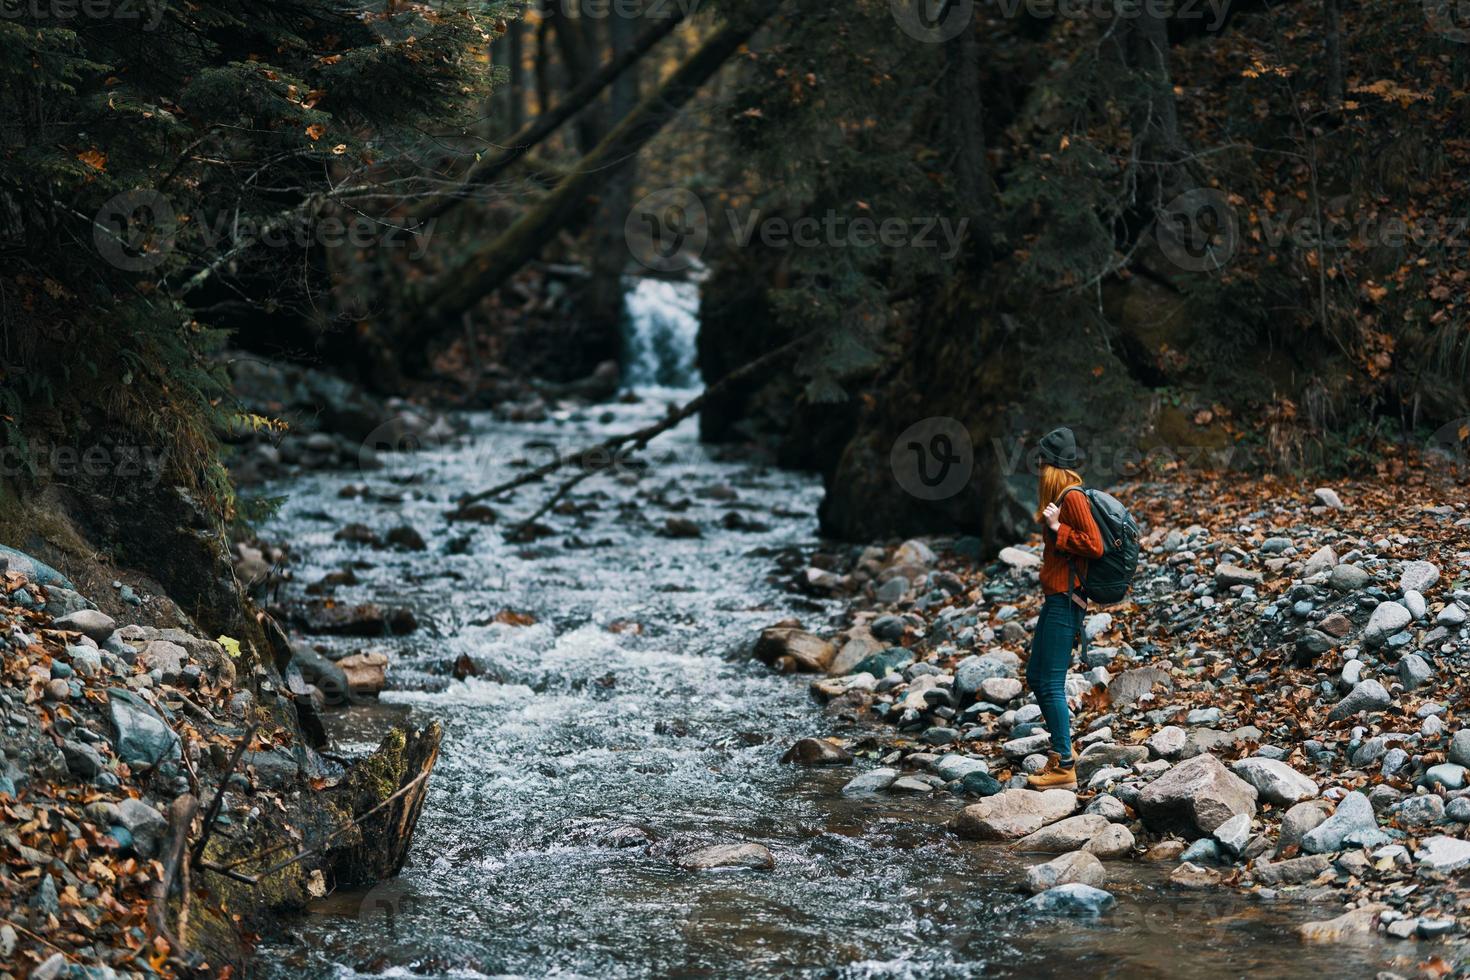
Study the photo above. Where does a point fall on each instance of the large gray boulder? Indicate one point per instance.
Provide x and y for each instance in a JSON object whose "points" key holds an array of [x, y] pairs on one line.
{"points": [[1195, 797], [1366, 695], [146, 824], [1276, 782], [90, 623], [143, 738], [1387, 619], [1418, 576], [1064, 835], [1107, 755], [1443, 853], [1014, 813], [1300, 819], [1072, 899], [1078, 867], [1353, 818], [971, 672]]}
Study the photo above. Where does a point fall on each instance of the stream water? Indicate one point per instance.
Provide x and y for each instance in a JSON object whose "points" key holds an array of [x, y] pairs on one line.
{"points": [[630, 703]]}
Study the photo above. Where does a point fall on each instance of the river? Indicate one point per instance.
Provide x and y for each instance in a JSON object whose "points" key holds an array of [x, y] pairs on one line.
{"points": [[630, 702]]}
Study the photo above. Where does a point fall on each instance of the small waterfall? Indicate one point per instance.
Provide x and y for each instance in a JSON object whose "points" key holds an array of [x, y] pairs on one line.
{"points": [[660, 331]]}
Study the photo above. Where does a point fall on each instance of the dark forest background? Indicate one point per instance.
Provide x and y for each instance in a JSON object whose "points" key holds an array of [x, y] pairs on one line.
{"points": [[1187, 227]]}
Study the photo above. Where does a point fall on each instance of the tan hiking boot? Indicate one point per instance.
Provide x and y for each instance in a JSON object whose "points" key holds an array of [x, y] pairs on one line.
{"points": [[1054, 776]]}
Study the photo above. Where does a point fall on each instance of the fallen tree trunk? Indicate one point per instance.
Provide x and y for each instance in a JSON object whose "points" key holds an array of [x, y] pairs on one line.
{"points": [[533, 133], [437, 307], [596, 458]]}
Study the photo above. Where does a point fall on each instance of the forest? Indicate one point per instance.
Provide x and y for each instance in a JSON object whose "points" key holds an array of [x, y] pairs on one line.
{"points": [[518, 487]]}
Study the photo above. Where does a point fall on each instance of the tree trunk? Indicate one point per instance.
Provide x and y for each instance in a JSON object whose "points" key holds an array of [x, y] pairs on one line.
{"points": [[434, 307], [965, 121], [549, 120], [516, 62], [543, 67], [603, 307], [576, 64], [1336, 76]]}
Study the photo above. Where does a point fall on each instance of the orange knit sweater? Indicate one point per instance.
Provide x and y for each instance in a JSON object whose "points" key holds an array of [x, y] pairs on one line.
{"points": [[1077, 539]]}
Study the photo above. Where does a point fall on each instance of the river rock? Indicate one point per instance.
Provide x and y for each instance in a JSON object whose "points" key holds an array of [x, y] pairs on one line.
{"points": [[861, 644], [1192, 876], [1078, 867], [1195, 797], [794, 649], [1113, 843], [1460, 748], [971, 672], [914, 552], [1105, 805], [1387, 619], [1065, 835], [1327, 497], [1349, 578], [1354, 815], [147, 826], [366, 672], [90, 623], [1234, 834], [143, 738], [816, 752], [1275, 781], [1295, 871], [164, 656], [1362, 921], [1301, 818], [1167, 742], [1229, 575], [1418, 576], [1366, 695], [1420, 811], [1018, 559], [1131, 686], [872, 781], [1414, 672], [955, 766], [1106, 755], [1449, 775], [1000, 690], [1020, 748], [1444, 854], [81, 759], [1322, 560], [1014, 813], [718, 856], [1072, 899]]}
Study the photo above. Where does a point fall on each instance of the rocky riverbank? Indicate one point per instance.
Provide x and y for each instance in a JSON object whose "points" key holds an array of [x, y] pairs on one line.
{"points": [[1279, 707], [162, 796]]}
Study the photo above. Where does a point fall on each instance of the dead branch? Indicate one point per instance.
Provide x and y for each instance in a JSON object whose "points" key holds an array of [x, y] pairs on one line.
{"points": [[599, 457]]}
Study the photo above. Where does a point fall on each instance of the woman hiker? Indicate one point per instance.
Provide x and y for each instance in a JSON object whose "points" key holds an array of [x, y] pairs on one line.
{"points": [[1072, 538]]}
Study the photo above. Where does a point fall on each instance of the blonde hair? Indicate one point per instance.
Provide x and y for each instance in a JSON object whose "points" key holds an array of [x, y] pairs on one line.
{"points": [[1054, 482]]}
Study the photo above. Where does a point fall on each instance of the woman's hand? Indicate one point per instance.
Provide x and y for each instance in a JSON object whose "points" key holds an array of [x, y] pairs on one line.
{"points": [[1053, 516]]}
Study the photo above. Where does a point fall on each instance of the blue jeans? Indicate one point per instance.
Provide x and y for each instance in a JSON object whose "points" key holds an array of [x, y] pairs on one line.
{"points": [[1046, 671]]}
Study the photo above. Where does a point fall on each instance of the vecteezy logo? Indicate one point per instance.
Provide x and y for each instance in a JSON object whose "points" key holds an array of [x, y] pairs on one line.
{"points": [[668, 230], [1198, 231], [1452, 441], [386, 904], [135, 230], [933, 459], [932, 21], [1450, 18], [406, 433]]}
